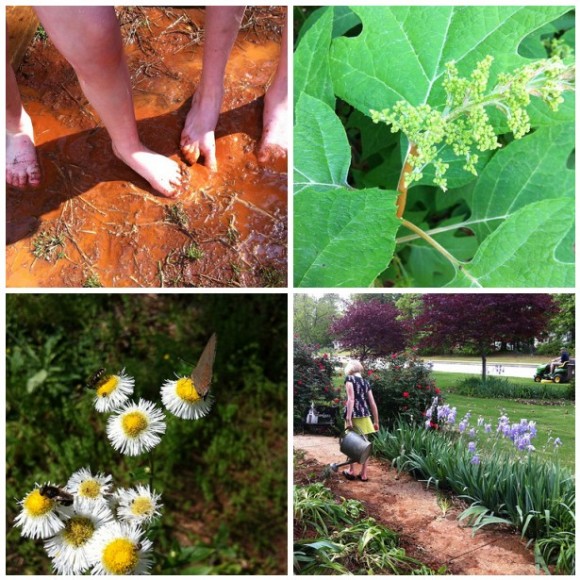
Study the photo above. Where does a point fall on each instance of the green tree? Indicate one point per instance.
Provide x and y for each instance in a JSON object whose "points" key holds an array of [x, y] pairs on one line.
{"points": [[313, 316], [562, 324]]}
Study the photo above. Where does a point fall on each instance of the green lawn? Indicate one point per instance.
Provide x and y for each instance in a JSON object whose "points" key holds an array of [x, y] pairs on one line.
{"points": [[552, 420]]}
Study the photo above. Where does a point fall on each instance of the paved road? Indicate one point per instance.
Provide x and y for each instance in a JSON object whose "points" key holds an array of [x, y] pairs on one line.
{"points": [[522, 370]]}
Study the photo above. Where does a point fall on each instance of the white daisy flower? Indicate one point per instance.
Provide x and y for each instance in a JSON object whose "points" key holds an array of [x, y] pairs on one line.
{"points": [[41, 516], [136, 427], [119, 548], [112, 391], [70, 548], [85, 485], [139, 505], [181, 398]]}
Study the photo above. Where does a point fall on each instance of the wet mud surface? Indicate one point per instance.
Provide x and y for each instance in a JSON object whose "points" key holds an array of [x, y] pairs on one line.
{"points": [[427, 532], [94, 222]]}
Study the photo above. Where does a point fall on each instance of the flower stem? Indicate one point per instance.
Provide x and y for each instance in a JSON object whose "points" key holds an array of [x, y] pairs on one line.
{"points": [[402, 186], [151, 470]]}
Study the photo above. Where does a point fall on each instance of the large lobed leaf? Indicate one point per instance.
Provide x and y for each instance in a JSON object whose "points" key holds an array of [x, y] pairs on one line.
{"points": [[402, 51], [343, 238], [524, 250]]}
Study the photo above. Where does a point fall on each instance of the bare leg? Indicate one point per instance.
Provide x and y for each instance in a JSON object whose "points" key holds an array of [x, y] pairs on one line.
{"points": [[363, 471], [222, 24], [274, 143], [22, 167], [89, 38]]}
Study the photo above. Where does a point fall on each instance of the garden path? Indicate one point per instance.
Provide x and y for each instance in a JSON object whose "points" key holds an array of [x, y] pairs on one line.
{"points": [[427, 531]]}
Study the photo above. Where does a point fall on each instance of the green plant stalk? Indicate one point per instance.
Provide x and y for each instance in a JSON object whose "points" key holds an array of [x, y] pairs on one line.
{"points": [[456, 263]]}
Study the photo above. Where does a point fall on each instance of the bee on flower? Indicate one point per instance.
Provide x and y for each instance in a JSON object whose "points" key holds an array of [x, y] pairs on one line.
{"points": [[112, 390], [41, 516]]}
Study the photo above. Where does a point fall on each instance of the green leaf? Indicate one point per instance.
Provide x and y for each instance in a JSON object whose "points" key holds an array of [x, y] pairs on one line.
{"points": [[402, 51], [321, 151], [522, 251], [523, 173], [343, 238], [36, 380], [311, 61]]}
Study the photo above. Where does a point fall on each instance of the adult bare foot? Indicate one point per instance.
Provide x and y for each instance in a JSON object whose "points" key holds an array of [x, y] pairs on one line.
{"points": [[197, 137], [22, 168], [274, 142], [163, 174]]}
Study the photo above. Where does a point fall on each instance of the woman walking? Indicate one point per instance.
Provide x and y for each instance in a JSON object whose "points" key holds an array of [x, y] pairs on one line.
{"points": [[359, 406]]}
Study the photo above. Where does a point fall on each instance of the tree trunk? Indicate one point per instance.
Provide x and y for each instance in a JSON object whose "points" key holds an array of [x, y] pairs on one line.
{"points": [[483, 365]]}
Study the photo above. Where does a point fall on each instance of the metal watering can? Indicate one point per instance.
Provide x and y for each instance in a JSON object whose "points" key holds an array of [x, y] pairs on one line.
{"points": [[355, 446]]}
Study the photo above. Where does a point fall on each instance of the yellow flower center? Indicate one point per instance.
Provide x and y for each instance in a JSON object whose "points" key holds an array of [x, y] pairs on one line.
{"points": [[78, 531], [186, 391], [134, 423], [142, 506], [37, 505], [108, 386], [90, 488], [120, 556]]}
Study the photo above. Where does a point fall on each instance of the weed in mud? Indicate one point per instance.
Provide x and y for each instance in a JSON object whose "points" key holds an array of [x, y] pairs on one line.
{"points": [[193, 252], [270, 277], [176, 215], [92, 281], [232, 233], [48, 246], [40, 34]]}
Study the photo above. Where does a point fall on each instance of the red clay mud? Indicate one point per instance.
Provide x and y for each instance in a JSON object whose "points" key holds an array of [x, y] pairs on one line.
{"points": [[428, 532], [96, 222]]}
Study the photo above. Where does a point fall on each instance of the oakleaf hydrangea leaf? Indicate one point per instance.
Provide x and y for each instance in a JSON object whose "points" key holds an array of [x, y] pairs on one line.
{"points": [[321, 151], [311, 61], [344, 237], [523, 173], [524, 250], [402, 51]]}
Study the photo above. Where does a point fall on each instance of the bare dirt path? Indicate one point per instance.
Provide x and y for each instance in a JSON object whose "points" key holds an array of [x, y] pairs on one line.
{"points": [[428, 531]]}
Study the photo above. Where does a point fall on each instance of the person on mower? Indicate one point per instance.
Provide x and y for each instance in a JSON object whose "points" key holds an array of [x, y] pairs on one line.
{"points": [[564, 357]]}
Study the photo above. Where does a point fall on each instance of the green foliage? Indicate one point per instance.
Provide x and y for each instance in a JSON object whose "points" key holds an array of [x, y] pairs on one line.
{"points": [[535, 496], [464, 94], [224, 471], [312, 380], [403, 389], [501, 388], [345, 542]]}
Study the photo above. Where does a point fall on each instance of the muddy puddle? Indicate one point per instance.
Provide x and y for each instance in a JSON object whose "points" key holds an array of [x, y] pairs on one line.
{"points": [[94, 222]]}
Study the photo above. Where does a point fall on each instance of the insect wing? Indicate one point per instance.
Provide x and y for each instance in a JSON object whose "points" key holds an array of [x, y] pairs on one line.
{"points": [[202, 373]]}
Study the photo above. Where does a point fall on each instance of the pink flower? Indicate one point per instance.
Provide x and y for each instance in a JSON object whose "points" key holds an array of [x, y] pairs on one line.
{"points": [[406, 395]]}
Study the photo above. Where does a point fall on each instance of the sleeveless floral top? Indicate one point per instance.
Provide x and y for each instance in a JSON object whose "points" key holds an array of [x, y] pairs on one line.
{"points": [[361, 388]]}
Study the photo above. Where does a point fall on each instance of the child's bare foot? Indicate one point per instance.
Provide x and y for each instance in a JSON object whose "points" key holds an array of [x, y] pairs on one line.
{"points": [[163, 174], [274, 142], [22, 168], [197, 137]]}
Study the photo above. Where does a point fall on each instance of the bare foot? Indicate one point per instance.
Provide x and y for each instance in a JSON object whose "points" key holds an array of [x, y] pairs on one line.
{"points": [[22, 168], [163, 174], [197, 137], [274, 142]]}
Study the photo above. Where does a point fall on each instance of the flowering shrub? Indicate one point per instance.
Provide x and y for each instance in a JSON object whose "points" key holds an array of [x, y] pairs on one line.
{"points": [[403, 388], [312, 380]]}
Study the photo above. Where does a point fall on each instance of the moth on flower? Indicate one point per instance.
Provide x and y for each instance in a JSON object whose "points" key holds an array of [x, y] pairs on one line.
{"points": [[189, 397]]}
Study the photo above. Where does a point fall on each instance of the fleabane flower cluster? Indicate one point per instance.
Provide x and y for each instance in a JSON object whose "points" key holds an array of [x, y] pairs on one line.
{"points": [[464, 124], [85, 526]]}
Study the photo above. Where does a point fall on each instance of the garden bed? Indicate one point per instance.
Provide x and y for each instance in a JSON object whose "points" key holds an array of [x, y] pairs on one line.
{"points": [[425, 520]]}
